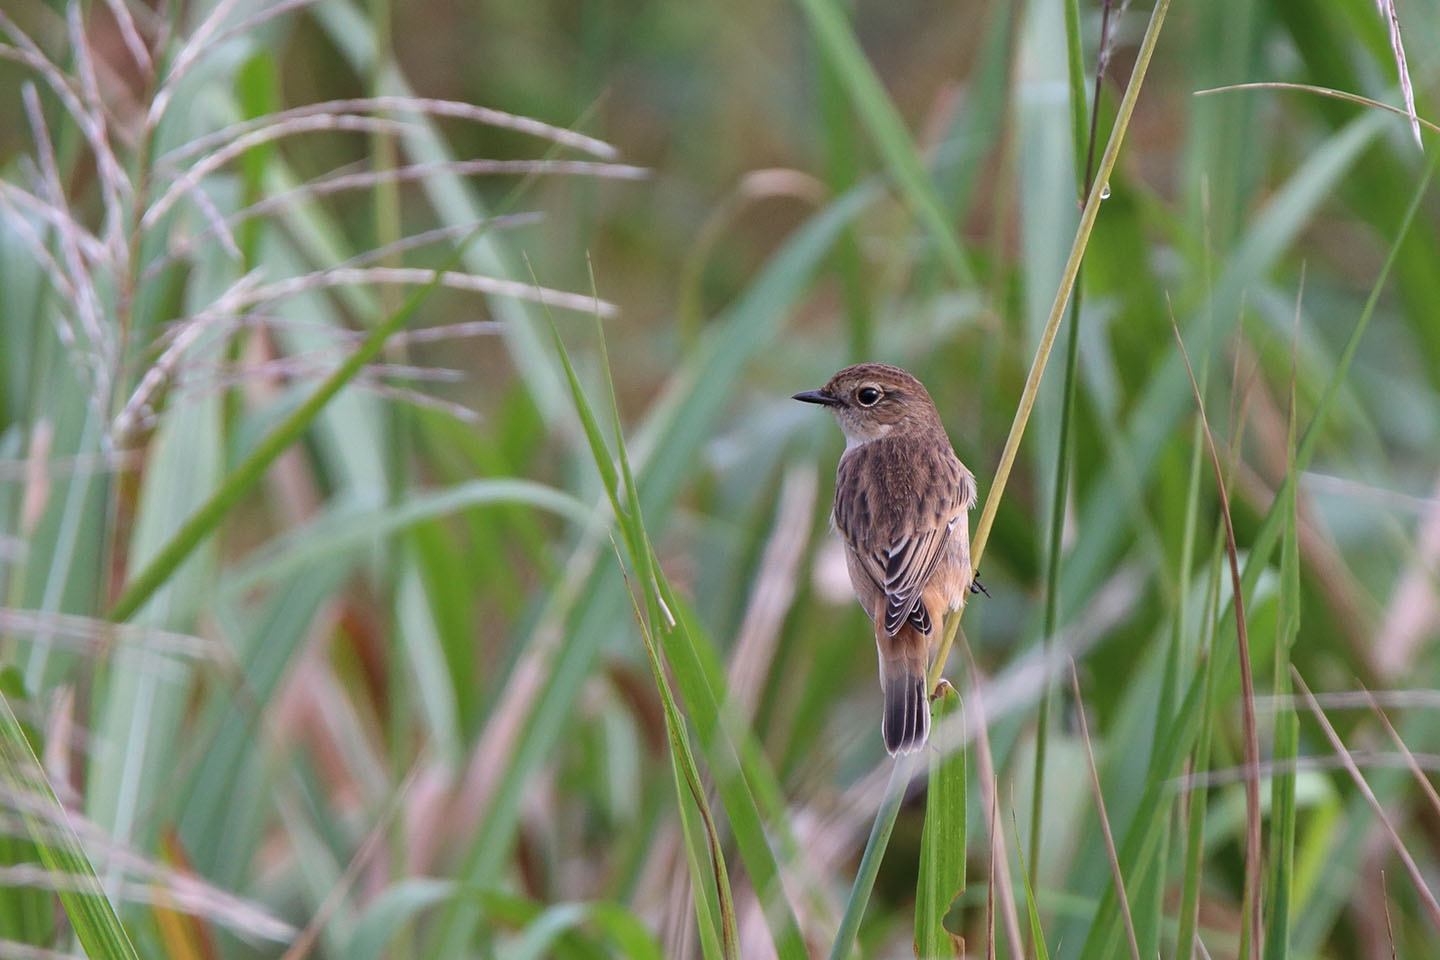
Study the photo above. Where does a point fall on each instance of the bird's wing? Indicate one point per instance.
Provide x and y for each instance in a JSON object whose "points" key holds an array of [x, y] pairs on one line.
{"points": [[908, 564], [900, 557]]}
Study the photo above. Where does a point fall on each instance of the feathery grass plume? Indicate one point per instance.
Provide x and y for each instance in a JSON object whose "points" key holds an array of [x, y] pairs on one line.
{"points": [[1402, 68]]}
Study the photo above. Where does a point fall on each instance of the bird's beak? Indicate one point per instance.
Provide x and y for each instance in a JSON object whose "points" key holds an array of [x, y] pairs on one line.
{"points": [[817, 396]]}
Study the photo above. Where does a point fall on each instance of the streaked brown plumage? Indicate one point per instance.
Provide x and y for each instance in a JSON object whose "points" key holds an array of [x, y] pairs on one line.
{"points": [[901, 503]]}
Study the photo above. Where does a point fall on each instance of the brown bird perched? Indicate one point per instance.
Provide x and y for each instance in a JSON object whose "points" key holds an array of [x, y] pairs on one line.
{"points": [[901, 502]]}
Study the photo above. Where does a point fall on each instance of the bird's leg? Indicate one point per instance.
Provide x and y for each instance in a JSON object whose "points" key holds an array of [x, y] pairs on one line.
{"points": [[976, 586]]}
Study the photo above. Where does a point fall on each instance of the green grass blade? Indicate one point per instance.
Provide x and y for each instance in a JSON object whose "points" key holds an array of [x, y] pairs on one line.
{"points": [[392, 911], [139, 718], [747, 786], [25, 915], [687, 775], [91, 916], [900, 770], [1200, 760], [1250, 928], [705, 895], [1287, 725], [699, 687], [625, 502], [842, 51], [1282, 803], [1083, 132], [79, 521], [710, 880], [842, 161], [351, 527], [942, 844], [1179, 653], [1058, 503], [1037, 933], [1079, 115], [219, 793], [1143, 837]]}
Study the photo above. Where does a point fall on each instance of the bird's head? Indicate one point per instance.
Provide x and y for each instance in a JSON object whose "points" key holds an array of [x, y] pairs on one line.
{"points": [[873, 400]]}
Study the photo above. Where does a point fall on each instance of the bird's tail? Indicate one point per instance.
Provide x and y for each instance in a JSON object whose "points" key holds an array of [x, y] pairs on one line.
{"points": [[905, 722]]}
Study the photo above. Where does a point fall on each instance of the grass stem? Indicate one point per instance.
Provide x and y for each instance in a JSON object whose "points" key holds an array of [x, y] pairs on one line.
{"points": [[900, 771], [1057, 311]]}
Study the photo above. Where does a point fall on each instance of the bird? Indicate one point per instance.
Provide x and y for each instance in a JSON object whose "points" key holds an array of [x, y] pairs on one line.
{"points": [[902, 505]]}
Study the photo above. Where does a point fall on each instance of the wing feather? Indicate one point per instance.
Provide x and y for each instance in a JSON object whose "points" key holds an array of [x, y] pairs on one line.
{"points": [[908, 566], [877, 514]]}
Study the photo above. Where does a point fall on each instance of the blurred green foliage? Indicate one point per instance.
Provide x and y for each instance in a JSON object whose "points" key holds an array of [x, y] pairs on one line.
{"points": [[392, 699]]}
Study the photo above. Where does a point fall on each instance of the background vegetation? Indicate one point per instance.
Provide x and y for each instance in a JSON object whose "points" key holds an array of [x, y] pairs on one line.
{"points": [[345, 615]]}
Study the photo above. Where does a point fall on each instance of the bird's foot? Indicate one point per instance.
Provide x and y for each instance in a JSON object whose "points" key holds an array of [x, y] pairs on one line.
{"points": [[976, 586]]}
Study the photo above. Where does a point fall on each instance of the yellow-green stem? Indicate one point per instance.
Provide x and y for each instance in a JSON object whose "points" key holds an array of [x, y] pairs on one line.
{"points": [[1052, 324]]}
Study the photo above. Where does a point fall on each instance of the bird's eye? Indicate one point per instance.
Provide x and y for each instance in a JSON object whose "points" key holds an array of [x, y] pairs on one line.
{"points": [[868, 396]]}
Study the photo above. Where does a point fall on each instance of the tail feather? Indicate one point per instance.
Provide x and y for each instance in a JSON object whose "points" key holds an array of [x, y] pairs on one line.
{"points": [[905, 723]]}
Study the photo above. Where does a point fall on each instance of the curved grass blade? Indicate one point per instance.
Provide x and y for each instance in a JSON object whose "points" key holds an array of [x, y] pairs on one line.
{"points": [[91, 916], [687, 775], [698, 682], [714, 900], [847, 62], [352, 527], [900, 772], [1037, 934], [721, 921], [658, 619], [1321, 91]]}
